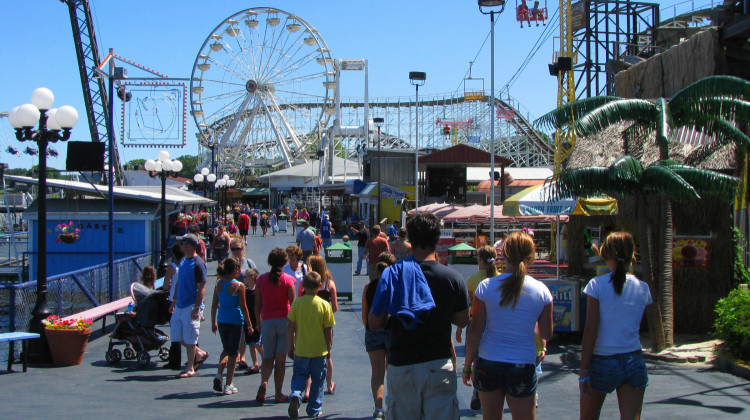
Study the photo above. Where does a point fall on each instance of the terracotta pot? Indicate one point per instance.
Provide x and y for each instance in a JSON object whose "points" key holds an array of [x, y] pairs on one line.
{"points": [[67, 346]]}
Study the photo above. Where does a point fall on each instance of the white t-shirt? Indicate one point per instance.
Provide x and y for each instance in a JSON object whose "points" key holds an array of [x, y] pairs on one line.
{"points": [[619, 316], [509, 332], [298, 275]]}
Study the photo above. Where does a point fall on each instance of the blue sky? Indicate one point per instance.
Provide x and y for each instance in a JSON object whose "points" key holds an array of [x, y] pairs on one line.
{"points": [[438, 37]]}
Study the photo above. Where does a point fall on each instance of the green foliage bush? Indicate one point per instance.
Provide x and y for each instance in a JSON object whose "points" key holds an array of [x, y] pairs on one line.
{"points": [[741, 275], [732, 324]]}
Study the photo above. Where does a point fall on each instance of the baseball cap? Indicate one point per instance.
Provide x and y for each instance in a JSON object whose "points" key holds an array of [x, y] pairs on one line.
{"points": [[189, 239]]}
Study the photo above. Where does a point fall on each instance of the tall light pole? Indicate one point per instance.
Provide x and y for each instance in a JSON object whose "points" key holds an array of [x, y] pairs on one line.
{"points": [[163, 167], [490, 4], [51, 121], [416, 78], [203, 179], [223, 185], [378, 122]]}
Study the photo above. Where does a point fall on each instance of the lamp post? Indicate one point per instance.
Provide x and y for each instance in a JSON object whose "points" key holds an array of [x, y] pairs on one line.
{"points": [[416, 78], [490, 4], [51, 122], [203, 179], [378, 123], [223, 185], [163, 167]]}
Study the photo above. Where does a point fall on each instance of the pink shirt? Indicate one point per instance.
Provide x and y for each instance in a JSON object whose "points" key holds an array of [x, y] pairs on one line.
{"points": [[275, 298]]}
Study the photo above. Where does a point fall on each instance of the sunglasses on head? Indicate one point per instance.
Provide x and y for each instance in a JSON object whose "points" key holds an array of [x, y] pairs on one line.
{"points": [[236, 249]]}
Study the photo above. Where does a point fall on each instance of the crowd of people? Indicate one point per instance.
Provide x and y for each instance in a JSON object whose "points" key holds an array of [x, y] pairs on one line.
{"points": [[409, 309]]}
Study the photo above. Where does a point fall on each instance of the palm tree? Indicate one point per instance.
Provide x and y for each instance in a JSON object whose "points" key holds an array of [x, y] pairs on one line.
{"points": [[708, 105]]}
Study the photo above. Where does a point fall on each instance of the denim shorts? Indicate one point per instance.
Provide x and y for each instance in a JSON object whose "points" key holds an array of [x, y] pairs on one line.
{"points": [[609, 372], [230, 337], [516, 380], [378, 340]]}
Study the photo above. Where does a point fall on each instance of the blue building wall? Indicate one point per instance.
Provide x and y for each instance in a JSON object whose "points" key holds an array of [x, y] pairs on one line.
{"points": [[92, 247]]}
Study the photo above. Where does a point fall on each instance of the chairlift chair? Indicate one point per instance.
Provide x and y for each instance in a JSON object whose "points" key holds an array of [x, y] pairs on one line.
{"points": [[534, 14]]}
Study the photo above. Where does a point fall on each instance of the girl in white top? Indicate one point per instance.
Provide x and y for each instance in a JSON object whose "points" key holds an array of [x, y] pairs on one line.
{"points": [[295, 268], [500, 342], [611, 356]]}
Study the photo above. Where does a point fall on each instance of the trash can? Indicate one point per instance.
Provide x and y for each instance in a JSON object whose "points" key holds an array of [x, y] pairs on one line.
{"points": [[463, 258], [339, 261], [281, 222]]}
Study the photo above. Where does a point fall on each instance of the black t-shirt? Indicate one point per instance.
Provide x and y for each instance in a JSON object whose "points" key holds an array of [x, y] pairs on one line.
{"points": [[362, 237], [431, 340]]}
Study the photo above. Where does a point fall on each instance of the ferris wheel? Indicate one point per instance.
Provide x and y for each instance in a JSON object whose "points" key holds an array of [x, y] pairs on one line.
{"points": [[262, 89]]}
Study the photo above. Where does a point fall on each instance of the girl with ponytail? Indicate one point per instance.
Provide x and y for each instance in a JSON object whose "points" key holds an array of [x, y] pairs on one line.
{"points": [[611, 340], [274, 294], [500, 346], [228, 315]]}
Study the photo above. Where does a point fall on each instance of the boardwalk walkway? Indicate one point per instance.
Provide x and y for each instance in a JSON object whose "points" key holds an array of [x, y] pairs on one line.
{"points": [[97, 390]]}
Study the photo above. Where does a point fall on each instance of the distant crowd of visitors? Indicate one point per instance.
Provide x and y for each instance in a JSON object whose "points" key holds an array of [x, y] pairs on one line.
{"points": [[409, 308]]}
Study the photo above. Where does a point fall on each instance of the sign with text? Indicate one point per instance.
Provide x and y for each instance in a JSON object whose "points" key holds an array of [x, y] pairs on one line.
{"points": [[565, 295], [689, 252]]}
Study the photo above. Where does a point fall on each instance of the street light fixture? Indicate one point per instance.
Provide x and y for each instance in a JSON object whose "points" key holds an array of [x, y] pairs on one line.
{"points": [[223, 185], [163, 167], [378, 123], [203, 180], [490, 4], [416, 78], [54, 125]]}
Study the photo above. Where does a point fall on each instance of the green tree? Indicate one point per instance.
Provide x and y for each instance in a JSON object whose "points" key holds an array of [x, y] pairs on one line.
{"points": [[708, 105], [189, 164]]}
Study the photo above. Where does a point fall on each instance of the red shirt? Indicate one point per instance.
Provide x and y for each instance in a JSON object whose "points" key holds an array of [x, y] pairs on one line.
{"points": [[376, 246], [244, 222], [275, 298]]}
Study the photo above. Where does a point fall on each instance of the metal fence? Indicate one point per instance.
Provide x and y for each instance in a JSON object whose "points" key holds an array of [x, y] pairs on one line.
{"points": [[69, 293]]}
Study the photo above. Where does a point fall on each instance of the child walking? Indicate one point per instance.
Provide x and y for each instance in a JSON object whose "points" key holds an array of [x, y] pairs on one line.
{"points": [[311, 337], [228, 316], [252, 340]]}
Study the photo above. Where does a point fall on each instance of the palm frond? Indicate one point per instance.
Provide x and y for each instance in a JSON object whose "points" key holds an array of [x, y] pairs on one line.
{"points": [[581, 182], [725, 132], [661, 179], [637, 110], [723, 107], [626, 169], [729, 86], [572, 111], [708, 183]]}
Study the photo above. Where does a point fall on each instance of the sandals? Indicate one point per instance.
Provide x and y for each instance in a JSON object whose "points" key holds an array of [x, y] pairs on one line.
{"points": [[253, 370], [260, 397], [332, 389], [198, 363], [242, 365], [281, 398], [186, 374]]}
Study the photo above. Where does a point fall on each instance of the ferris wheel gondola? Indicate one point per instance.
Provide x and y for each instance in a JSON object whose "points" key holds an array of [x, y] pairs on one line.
{"points": [[259, 88]]}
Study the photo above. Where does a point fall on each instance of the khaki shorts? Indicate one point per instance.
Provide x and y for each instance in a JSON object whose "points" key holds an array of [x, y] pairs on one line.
{"points": [[422, 391]]}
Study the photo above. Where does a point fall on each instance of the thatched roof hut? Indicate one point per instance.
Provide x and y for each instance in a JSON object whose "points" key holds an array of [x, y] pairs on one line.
{"points": [[696, 288]]}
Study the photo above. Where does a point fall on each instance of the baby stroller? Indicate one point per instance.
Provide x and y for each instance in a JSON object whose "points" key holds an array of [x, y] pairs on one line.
{"points": [[136, 330]]}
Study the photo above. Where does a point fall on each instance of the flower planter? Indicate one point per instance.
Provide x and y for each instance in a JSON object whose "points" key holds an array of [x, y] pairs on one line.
{"points": [[68, 238], [67, 346]]}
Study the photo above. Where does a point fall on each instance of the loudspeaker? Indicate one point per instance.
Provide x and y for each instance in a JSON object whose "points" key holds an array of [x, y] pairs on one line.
{"points": [[85, 156]]}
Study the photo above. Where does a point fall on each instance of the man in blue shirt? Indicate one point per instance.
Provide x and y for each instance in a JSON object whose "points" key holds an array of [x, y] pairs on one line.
{"points": [[306, 240], [393, 231], [326, 231], [187, 305]]}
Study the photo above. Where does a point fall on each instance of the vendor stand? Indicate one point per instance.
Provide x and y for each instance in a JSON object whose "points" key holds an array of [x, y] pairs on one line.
{"points": [[566, 291]]}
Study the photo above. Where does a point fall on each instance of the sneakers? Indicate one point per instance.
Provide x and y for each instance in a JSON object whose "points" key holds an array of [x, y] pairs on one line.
{"points": [[230, 389], [293, 410], [378, 414], [217, 384], [475, 404]]}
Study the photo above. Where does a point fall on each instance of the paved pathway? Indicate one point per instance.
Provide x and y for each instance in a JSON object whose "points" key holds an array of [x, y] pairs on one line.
{"points": [[97, 390]]}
